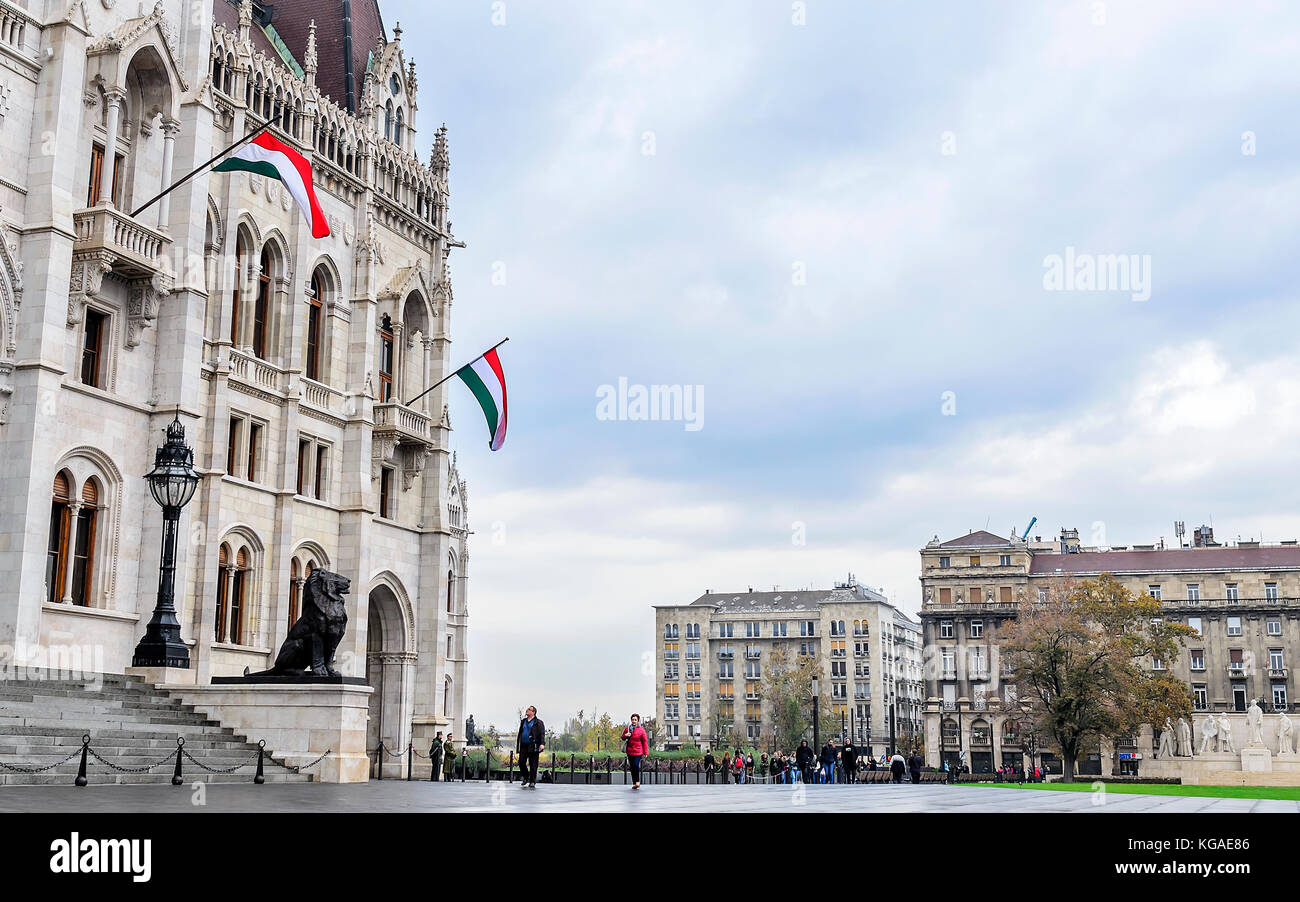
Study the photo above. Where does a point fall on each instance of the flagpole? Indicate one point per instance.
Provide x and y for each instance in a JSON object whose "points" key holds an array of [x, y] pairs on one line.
{"points": [[455, 371], [244, 140]]}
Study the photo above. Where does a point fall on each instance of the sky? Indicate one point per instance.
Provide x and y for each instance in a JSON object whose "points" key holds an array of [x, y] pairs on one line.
{"points": [[858, 236]]}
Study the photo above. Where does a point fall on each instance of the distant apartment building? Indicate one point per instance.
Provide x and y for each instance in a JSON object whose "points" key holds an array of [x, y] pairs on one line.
{"points": [[1242, 598], [713, 651]]}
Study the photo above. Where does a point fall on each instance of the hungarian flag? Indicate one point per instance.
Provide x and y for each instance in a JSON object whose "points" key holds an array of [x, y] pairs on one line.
{"points": [[488, 383], [267, 155]]}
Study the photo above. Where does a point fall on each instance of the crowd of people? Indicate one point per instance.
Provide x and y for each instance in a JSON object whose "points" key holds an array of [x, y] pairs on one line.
{"points": [[832, 764], [804, 765]]}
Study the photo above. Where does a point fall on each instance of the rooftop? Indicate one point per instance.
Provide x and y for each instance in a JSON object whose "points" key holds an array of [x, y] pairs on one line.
{"points": [[1169, 560]]}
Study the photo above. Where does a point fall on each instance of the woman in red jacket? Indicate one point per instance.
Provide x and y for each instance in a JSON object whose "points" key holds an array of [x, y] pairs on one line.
{"points": [[637, 746]]}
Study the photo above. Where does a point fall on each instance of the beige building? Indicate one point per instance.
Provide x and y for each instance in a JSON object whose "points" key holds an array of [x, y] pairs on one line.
{"points": [[712, 653], [288, 359], [1242, 598]]}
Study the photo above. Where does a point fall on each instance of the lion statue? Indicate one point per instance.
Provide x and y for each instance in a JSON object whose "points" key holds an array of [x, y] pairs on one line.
{"points": [[312, 640]]}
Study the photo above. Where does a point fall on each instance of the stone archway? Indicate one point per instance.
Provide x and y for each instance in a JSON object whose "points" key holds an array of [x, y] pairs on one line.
{"points": [[390, 671]]}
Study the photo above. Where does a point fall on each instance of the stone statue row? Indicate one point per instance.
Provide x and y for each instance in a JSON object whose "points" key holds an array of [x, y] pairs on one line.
{"points": [[1216, 735]]}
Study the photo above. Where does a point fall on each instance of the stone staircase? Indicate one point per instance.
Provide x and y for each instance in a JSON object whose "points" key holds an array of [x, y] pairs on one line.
{"points": [[130, 724]]}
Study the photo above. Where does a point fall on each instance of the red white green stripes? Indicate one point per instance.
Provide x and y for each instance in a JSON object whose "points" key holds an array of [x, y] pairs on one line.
{"points": [[271, 157], [488, 383]]}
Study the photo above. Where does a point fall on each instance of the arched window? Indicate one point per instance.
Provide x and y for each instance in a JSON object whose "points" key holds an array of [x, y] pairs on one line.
{"points": [[386, 346], [446, 696], [223, 587], [83, 549], [451, 590], [56, 558], [388, 120], [232, 594], [397, 130], [316, 327], [262, 308], [241, 254], [294, 588], [228, 84]]}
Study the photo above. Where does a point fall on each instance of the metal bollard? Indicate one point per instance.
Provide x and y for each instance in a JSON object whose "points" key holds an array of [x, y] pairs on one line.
{"points": [[510, 775], [410, 759], [258, 778], [177, 777], [487, 765], [379, 757], [81, 771]]}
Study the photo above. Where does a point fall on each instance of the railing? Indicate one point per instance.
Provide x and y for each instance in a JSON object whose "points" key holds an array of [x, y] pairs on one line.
{"points": [[13, 26], [402, 419], [137, 247], [317, 394], [250, 370]]}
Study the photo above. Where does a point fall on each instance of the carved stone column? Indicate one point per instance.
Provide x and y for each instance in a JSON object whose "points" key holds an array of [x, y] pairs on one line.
{"points": [[170, 129], [113, 97]]}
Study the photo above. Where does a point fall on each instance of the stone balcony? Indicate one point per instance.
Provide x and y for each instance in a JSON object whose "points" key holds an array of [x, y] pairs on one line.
{"points": [[403, 423], [105, 241], [138, 251]]}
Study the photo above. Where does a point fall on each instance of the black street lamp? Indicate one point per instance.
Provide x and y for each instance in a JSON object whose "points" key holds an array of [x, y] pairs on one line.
{"points": [[172, 485]]}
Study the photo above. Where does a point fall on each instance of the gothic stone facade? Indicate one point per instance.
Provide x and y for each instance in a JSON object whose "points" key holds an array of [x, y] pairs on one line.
{"points": [[1243, 599], [713, 652], [286, 358]]}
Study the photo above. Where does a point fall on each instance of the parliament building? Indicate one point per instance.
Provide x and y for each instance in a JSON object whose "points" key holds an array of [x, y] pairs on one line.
{"points": [[288, 360]]}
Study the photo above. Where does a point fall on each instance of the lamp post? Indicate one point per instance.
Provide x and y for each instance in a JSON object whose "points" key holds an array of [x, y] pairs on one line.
{"points": [[172, 485], [817, 742]]}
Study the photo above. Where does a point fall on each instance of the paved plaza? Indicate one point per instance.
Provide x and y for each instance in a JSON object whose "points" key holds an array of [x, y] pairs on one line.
{"points": [[422, 796]]}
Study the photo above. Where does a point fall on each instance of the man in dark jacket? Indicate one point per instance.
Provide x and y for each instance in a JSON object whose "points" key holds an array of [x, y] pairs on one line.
{"points": [[914, 765], [849, 757], [827, 760], [803, 759], [435, 757], [710, 765], [531, 743]]}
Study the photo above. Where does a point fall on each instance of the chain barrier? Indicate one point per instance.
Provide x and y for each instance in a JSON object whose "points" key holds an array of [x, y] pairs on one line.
{"points": [[217, 770], [129, 770], [14, 768], [302, 767], [85, 750]]}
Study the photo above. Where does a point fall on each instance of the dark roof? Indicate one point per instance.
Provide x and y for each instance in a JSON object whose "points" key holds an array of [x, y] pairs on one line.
{"points": [[1269, 557], [979, 537], [292, 18], [794, 600]]}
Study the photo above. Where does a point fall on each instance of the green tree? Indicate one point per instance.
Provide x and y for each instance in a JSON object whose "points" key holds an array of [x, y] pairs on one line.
{"points": [[787, 688], [1081, 664]]}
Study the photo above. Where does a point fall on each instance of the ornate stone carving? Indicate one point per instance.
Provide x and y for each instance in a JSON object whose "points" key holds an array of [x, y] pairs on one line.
{"points": [[88, 271], [414, 457], [1209, 734], [143, 300], [1225, 734]]}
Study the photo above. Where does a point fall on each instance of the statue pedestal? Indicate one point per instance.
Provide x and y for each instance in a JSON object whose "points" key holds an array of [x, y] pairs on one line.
{"points": [[1256, 759], [300, 720]]}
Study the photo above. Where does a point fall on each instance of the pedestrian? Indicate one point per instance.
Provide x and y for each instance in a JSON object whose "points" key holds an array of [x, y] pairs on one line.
{"points": [[763, 771], [449, 758], [749, 767], [827, 760], [850, 758], [636, 745], [710, 765], [871, 762], [738, 767], [531, 743], [896, 767], [915, 763], [804, 759], [775, 768], [726, 766], [435, 757]]}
